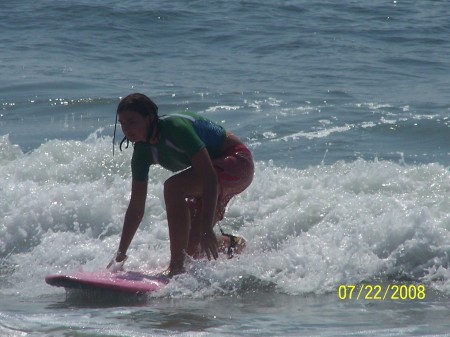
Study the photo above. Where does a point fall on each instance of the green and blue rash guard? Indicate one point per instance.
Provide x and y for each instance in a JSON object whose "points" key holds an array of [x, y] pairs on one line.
{"points": [[181, 136]]}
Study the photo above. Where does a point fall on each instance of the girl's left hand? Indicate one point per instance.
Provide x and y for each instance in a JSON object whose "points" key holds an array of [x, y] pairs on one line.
{"points": [[209, 244], [114, 266]]}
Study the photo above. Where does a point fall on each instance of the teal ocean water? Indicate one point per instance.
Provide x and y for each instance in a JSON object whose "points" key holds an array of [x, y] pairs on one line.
{"points": [[346, 108]]}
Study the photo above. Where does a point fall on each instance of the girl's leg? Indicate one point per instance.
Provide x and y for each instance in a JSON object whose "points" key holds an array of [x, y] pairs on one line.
{"points": [[235, 173], [176, 188]]}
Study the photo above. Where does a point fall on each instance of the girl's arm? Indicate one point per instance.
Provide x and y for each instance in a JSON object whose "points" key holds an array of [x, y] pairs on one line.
{"points": [[133, 217]]}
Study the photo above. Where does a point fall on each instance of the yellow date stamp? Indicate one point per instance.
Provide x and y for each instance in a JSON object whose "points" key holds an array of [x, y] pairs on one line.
{"points": [[378, 292]]}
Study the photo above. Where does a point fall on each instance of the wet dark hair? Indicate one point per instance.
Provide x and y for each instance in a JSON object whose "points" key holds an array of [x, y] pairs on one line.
{"points": [[141, 104]]}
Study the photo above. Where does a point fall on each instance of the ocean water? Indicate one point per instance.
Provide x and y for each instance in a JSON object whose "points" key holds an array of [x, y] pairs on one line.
{"points": [[346, 108]]}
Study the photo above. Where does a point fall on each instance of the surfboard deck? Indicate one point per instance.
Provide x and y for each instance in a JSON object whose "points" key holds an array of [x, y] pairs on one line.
{"points": [[130, 282]]}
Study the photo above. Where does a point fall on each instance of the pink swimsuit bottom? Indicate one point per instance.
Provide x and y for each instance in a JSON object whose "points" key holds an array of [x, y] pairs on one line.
{"points": [[235, 170]]}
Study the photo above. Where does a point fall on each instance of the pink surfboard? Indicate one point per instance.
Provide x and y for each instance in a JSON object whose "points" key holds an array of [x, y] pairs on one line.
{"points": [[131, 282]]}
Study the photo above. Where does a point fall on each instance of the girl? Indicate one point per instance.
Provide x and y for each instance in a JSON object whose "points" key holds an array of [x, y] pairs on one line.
{"points": [[212, 166]]}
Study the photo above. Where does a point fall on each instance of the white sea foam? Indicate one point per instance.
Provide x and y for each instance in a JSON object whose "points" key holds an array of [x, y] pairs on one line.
{"points": [[308, 230]]}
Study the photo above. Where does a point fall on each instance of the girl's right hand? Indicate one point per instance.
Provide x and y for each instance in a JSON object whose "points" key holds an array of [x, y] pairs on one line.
{"points": [[209, 244]]}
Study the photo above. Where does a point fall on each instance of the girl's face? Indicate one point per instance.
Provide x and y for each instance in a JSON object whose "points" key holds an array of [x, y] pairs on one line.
{"points": [[134, 125]]}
